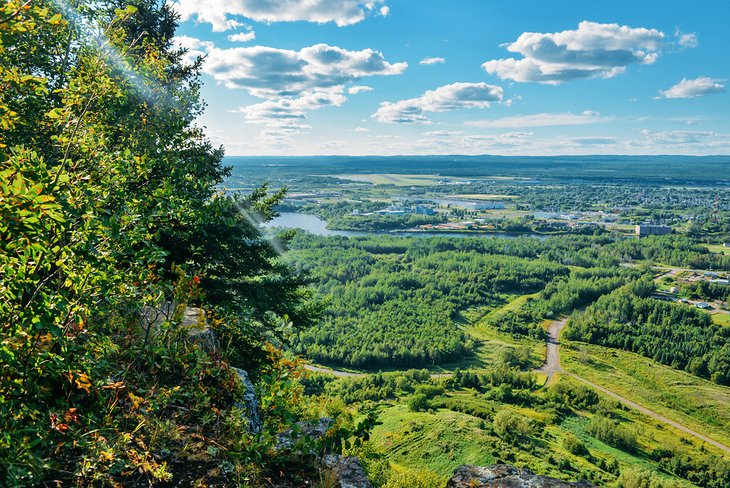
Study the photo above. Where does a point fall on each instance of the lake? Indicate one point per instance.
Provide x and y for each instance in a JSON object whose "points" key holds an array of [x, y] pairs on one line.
{"points": [[315, 225]]}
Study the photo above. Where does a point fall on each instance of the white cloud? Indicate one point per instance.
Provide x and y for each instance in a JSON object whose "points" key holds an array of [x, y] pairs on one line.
{"points": [[541, 120], [268, 72], [361, 129], [242, 36], [195, 47], [592, 51], [677, 137], [589, 141], [354, 90], [219, 13], [442, 133], [384, 10], [694, 88], [428, 61], [687, 40], [447, 97], [291, 108]]}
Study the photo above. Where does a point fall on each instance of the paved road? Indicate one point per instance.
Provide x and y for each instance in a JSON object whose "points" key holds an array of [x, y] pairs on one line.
{"points": [[552, 366]]}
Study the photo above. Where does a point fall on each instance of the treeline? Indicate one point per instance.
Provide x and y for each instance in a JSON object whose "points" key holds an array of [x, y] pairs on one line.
{"points": [[395, 302], [560, 296], [673, 250], [670, 333]]}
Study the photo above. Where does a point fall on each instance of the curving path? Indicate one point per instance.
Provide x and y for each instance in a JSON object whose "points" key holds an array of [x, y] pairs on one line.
{"points": [[552, 366], [552, 358]]}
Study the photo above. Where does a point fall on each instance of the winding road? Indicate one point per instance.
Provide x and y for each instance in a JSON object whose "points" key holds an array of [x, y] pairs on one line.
{"points": [[552, 366]]}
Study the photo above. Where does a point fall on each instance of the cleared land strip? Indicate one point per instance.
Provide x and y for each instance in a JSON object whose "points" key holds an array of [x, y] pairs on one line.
{"points": [[552, 366], [651, 413]]}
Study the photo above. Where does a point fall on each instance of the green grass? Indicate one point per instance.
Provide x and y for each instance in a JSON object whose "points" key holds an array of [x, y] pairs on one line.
{"points": [[717, 248], [439, 441], [721, 318], [444, 438], [393, 179], [694, 402]]}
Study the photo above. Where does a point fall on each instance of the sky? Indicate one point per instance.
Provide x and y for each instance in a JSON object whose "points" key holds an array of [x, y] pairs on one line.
{"points": [[397, 77]]}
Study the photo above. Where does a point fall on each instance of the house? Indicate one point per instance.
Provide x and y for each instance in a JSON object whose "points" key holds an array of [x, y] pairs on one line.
{"points": [[652, 230], [702, 305]]}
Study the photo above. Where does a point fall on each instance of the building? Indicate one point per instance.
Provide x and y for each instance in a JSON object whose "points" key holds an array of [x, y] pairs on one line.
{"points": [[423, 210], [652, 230], [489, 206], [703, 305]]}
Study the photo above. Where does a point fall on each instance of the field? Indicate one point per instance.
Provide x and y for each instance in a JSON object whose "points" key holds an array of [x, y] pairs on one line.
{"points": [[393, 179], [718, 248], [694, 402]]}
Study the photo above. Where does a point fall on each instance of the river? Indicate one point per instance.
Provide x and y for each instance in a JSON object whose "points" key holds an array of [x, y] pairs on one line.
{"points": [[315, 225]]}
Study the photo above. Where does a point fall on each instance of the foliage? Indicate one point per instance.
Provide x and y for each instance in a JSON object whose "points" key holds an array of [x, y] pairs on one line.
{"points": [[611, 432], [670, 333], [110, 226], [399, 299], [510, 425]]}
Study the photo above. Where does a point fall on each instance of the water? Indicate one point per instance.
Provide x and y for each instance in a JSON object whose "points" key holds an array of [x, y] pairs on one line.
{"points": [[317, 226]]}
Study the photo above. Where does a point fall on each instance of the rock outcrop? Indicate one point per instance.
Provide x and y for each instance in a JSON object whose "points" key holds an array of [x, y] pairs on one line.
{"points": [[506, 476], [345, 472], [303, 430], [250, 402]]}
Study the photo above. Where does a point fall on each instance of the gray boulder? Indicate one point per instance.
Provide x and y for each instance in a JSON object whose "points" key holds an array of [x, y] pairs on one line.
{"points": [[345, 471], [506, 476]]}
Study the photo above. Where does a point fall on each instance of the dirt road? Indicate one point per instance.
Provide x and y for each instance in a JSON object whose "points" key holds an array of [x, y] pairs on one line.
{"points": [[552, 366], [552, 358]]}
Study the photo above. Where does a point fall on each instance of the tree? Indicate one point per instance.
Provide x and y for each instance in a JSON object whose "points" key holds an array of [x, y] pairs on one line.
{"points": [[108, 208]]}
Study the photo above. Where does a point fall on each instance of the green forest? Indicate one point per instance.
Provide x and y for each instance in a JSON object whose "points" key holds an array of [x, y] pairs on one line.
{"points": [[153, 332], [670, 333]]}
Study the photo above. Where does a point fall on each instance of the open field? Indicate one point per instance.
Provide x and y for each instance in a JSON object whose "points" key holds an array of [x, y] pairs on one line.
{"points": [[717, 248], [699, 404], [393, 179]]}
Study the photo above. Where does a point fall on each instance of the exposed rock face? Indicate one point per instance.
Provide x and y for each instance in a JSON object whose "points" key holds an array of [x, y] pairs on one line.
{"points": [[305, 429], [250, 402], [347, 472], [506, 476]]}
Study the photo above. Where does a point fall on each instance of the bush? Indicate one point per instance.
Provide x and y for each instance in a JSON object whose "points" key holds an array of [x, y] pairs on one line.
{"points": [[510, 425], [418, 403], [574, 445], [612, 433]]}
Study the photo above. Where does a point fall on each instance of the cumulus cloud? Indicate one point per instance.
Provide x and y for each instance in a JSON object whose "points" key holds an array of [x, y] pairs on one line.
{"points": [[593, 50], [354, 90], [541, 120], [268, 72], [221, 13], [195, 48], [444, 98], [242, 36], [694, 88], [291, 108], [428, 61], [384, 10]]}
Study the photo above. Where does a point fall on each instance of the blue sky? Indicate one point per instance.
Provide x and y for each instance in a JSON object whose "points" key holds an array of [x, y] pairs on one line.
{"points": [[308, 77]]}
